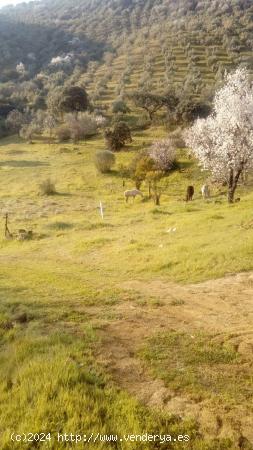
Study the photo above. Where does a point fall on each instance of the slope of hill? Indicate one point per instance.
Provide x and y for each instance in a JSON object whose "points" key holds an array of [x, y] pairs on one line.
{"points": [[145, 44], [80, 300], [139, 320]]}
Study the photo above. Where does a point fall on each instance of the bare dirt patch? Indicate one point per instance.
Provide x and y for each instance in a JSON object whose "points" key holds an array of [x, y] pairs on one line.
{"points": [[222, 307]]}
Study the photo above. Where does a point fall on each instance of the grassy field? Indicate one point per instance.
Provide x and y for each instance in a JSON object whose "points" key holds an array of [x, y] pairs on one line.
{"points": [[59, 290]]}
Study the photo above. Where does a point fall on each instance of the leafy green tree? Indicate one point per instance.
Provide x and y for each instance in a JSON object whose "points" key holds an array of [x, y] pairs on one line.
{"points": [[140, 167], [74, 99], [151, 103]]}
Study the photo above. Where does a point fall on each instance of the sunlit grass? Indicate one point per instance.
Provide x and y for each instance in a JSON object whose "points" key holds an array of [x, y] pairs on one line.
{"points": [[67, 278]]}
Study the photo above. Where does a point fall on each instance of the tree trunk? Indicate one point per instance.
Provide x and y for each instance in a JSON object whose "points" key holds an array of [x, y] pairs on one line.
{"points": [[157, 199], [149, 190], [232, 184], [138, 184], [231, 194], [244, 176], [50, 136]]}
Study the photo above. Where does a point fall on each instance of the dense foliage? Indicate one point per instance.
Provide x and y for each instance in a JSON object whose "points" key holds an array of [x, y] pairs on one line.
{"points": [[52, 45]]}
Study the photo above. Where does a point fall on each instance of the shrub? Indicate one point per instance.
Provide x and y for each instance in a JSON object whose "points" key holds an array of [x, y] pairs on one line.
{"points": [[81, 127], [142, 123], [47, 187], [177, 138], [16, 120], [118, 136], [104, 161], [119, 106], [28, 131], [63, 133]]}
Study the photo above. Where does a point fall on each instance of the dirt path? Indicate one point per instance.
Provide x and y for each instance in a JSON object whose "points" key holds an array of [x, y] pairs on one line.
{"points": [[222, 307]]}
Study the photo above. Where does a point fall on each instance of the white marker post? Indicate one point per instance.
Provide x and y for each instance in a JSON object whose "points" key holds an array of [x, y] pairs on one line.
{"points": [[101, 210]]}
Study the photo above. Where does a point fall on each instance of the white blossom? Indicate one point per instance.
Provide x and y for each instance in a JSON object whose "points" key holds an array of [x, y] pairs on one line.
{"points": [[20, 68], [101, 121], [58, 60], [163, 153], [223, 143]]}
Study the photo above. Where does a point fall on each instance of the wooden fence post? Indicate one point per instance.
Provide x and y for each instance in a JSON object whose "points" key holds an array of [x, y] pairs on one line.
{"points": [[101, 210]]}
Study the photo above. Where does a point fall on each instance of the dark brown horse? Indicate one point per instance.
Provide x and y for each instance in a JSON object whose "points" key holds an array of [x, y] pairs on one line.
{"points": [[189, 193]]}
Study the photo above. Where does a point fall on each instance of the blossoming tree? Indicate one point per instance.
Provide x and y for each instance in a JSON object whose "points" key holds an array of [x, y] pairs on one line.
{"points": [[223, 143], [163, 153]]}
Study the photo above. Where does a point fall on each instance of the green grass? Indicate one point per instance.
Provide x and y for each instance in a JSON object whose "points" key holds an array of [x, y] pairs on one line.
{"points": [[51, 384], [204, 367], [191, 362], [68, 279], [209, 240]]}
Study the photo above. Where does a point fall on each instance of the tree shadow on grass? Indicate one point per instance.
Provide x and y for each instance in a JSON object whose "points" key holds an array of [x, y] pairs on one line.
{"points": [[22, 163], [16, 152], [60, 226], [63, 194], [161, 212], [183, 165]]}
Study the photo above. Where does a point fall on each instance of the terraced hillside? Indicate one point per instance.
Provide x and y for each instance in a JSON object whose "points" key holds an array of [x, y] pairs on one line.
{"points": [[121, 319], [146, 45], [181, 61]]}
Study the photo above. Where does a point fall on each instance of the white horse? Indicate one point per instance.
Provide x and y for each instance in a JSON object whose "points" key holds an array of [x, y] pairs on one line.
{"points": [[132, 193], [205, 191]]}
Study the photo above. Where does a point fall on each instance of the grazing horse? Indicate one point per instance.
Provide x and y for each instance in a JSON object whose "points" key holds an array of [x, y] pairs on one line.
{"points": [[205, 191], [189, 193], [132, 193]]}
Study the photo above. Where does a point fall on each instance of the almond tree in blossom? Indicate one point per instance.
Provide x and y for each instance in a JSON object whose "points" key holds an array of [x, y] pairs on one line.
{"points": [[223, 143], [163, 153]]}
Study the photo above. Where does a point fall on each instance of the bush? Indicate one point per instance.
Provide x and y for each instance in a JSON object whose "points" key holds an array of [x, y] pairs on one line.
{"points": [[16, 120], [28, 131], [118, 136], [63, 133], [81, 127], [119, 106], [142, 123], [47, 187], [177, 138], [104, 161]]}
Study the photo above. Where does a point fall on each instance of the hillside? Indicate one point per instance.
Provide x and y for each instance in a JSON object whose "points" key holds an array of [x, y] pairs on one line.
{"points": [[154, 45], [126, 191]]}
